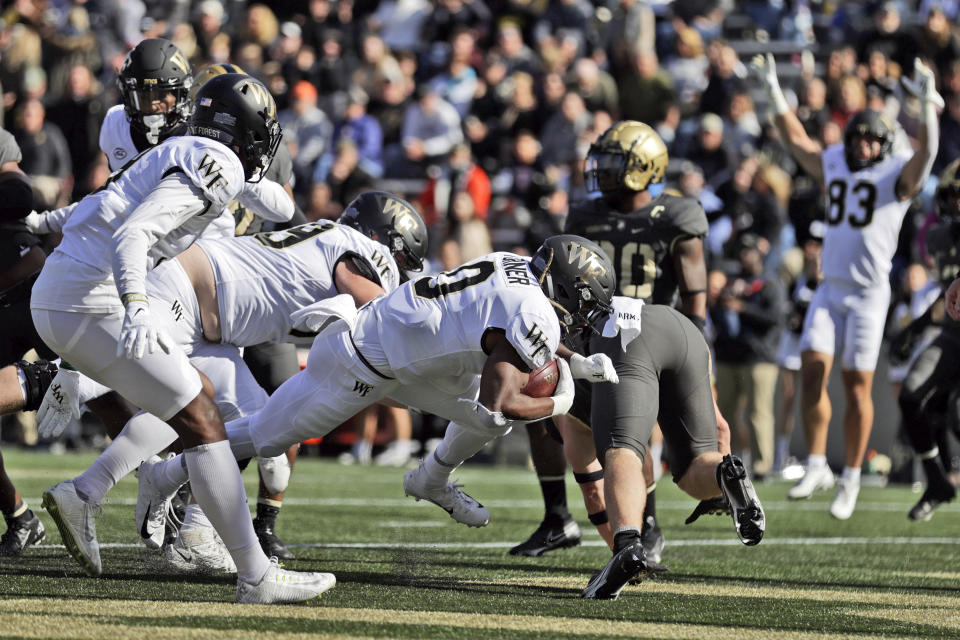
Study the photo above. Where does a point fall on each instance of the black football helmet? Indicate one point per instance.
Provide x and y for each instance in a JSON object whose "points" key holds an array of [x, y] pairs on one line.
{"points": [[152, 70], [239, 111], [391, 221], [867, 123], [948, 191], [210, 71], [578, 278]]}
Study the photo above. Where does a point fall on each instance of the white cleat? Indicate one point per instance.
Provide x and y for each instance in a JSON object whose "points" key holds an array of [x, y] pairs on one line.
{"points": [[75, 520], [150, 514], [812, 480], [275, 473], [397, 454], [279, 586], [198, 549], [845, 499], [449, 497]]}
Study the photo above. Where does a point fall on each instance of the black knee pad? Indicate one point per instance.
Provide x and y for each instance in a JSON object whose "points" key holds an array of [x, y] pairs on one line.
{"points": [[243, 464], [38, 376]]}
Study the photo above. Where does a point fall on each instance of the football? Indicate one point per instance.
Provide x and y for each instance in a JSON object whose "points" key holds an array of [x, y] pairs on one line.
{"points": [[542, 382]]}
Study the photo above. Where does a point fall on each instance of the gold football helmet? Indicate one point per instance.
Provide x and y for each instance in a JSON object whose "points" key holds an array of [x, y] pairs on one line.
{"points": [[211, 71], [629, 155], [948, 191]]}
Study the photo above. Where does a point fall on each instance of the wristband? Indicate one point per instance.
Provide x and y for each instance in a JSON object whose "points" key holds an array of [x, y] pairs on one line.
{"points": [[127, 298]]}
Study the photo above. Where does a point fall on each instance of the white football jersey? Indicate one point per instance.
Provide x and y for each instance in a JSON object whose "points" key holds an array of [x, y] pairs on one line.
{"points": [[88, 234], [863, 219], [115, 139], [263, 278], [434, 326]]}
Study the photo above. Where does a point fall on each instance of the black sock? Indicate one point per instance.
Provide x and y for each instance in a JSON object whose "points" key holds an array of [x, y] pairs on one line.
{"points": [[267, 514], [18, 509], [650, 508], [936, 475], [554, 499], [623, 539]]}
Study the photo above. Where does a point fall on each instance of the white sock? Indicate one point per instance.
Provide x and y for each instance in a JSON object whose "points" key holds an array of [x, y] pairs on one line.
{"points": [[656, 456], [850, 475], [144, 435], [241, 443], [170, 475], [195, 517], [783, 450], [216, 484], [459, 444], [816, 461]]}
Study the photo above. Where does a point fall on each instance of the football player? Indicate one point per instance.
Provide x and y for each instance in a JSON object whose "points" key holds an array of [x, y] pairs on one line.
{"points": [[456, 345], [927, 399], [868, 189], [224, 294], [656, 244], [90, 305], [664, 368]]}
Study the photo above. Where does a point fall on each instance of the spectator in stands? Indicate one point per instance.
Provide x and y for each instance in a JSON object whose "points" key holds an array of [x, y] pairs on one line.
{"points": [[335, 64], [748, 319], [346, 178], [561, 132], [452, 16], [741, 128], [458, 83], [327, 17], [709, 151], [461, 175], [260, 29], [852, 100], [512, 51], [79, 115], [813, 112], [646, 93], [431, 127], [399, 23], [467, 236], [725, 74], [524, 178], [320, 204], [306, 130], [688, 68], [597, 87], [207, 24], [377, 66], [364, 130], [888, 37], [949, 133], [633, 30], [937, 40], [522, 112], [46, 156]]}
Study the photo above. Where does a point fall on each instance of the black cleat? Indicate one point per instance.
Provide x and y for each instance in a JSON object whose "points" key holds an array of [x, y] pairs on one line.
{"points": [[269, 542], [20, 534], [744, 504], [628, 565], [652, 539], [932, 498], [547, 537]]}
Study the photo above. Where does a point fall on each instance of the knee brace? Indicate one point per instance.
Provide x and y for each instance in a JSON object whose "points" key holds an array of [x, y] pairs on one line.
{"points": [[36, 377]]}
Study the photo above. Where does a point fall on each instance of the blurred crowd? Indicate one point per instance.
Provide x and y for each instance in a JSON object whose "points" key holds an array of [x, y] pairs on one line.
{"points": [[481, 112]]}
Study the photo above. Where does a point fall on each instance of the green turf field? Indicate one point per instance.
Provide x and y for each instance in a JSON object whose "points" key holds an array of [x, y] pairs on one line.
{"points": [[406, 570]]}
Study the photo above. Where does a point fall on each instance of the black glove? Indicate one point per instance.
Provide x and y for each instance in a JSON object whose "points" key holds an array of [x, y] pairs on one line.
{"points": [[714, 506]]}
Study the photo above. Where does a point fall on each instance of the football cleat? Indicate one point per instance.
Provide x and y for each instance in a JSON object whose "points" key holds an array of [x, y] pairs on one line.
{"points": [[932, 498], [745, 507], [652, 539], [549, 535], [21, 533], [279, 586], [153, 506], [75, 520], [269, 542], [198, 549], [397, 454], [449, 497], [812, 480], [845, 500], [628, 564]]}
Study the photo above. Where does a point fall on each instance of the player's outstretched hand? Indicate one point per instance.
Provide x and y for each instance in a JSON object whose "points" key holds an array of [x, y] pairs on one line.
{"points": [[596, 368], [952, 300], [712, 507], [60, 405], [923, 85], [139, 335]]}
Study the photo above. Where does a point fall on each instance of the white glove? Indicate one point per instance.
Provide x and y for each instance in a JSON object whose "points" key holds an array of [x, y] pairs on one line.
{"points": [[138, 334], [36, 223], [60, 405], [563, 395], [596, 368], [766, 68], [923, 85]]}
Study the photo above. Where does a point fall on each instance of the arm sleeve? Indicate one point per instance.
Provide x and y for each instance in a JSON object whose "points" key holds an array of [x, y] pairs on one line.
{"points": [[53, 221], [268, 200], [171, 203]]}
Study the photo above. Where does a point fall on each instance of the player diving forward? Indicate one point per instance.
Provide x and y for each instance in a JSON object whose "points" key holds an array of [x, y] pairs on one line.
{"points": [[90, 305], [223, 294], [455, 345], [868, 192], [656, 245]]}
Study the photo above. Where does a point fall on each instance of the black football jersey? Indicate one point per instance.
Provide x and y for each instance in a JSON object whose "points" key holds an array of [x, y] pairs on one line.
{"points": [[943, 245], [640, 243]]}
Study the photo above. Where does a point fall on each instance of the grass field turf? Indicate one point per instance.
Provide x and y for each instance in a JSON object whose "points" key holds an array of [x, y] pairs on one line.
{"points": [[406, 570]]}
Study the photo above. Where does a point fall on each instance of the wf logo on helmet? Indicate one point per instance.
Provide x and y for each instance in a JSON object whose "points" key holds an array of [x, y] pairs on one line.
{"points": [[588, 262]]}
